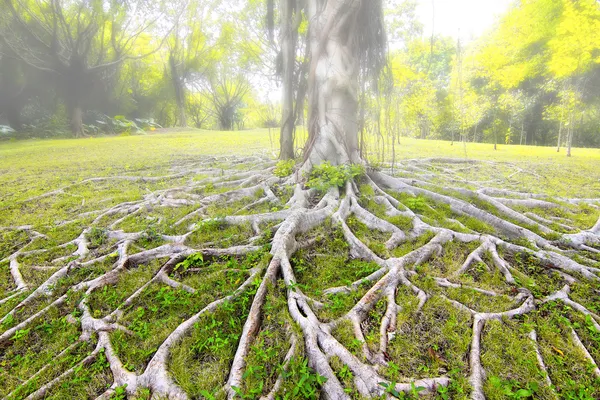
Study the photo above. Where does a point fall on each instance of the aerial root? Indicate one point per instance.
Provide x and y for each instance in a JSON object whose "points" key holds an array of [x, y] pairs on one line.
{"points": [[389, 320], [563, 295], [12, 296], [45, 367], [445, 283], [285, 366], [585, 352], [549, 221], [9, 333], [42, 391], [251, 327], [540, 359], [477, 377], [376, 223]]}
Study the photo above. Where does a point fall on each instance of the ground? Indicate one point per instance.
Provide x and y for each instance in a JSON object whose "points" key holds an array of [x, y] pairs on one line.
{"points": [[112, 282]]}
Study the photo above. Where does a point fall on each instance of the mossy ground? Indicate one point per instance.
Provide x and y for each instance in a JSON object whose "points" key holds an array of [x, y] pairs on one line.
{"points": [[430, 342]]}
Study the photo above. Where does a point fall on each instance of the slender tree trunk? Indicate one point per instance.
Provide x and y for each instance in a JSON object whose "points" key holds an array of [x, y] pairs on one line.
{"points": [[333, 83], [570, 135], [179, 89], [495, 138], [559, 137], [289, 38], [522, 131], [399, 132]]}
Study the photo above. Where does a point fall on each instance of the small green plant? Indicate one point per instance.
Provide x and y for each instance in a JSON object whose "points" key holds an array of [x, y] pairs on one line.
{"points": [[120, 393], [325, 176], [390, 388], [306, 381], [511, 388], [284, 168], [416, 204], [150, 237], [195, 260], [97, 237], [20, 334]]}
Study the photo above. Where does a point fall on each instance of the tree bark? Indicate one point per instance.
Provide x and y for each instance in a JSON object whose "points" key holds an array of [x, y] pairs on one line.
{"points": [[179, 89], [76, 119], [333, 83], [569, 137], [522, 130], [559, 137], [12, 112], [289, 39]]}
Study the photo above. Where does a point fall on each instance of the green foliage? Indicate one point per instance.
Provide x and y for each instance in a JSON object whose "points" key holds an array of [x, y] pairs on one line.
{"points": [[120, 393], [325, 176], [284, 168], [510, 389], [97, 237], [195, 260], [414, 391], [302, 382]]}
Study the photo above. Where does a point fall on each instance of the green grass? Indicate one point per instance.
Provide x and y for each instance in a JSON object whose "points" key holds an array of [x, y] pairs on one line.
{"points": [[432, 342]]}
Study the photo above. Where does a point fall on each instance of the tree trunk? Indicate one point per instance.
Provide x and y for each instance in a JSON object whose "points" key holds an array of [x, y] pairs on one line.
{"points": [[333, 83], [559, 137], [522, 131], [179, 89], [570, 136], [76, 120], [289, 38], [12, 112], [495, 138]]}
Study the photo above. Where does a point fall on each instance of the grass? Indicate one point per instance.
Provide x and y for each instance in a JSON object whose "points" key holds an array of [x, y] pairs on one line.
{"points": [[429, 343]]}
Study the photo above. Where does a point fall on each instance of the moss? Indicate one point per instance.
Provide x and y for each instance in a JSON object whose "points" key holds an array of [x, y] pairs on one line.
{"points": [[412, 244], [265, 360], [160, 309], [219, 234], [344, 333], [38, 347], [372, 238], [509, 359], [532, 275], [569, 370], [199, 363], [427, 344], [431, 344], [106, 299]]}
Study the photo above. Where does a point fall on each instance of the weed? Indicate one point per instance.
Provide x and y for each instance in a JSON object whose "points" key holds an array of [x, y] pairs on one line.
{"points": [[97, 237], [284, 168], [325, 176]]}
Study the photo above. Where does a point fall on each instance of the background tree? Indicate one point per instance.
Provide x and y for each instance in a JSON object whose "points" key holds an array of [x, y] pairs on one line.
{"points": [[78, 44]]}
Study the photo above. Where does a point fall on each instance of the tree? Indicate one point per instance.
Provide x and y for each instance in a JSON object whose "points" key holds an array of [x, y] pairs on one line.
{"points": [[291, 17], [188, 49], [14, 89], [226, 88], [282, 324], [78, 44], [346, 38]]}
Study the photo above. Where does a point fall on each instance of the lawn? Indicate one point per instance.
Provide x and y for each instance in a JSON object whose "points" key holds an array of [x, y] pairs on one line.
{"points": [[30, 167], [431, 342]]}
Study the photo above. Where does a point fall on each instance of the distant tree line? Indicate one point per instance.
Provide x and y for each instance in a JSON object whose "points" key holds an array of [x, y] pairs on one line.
{"points": [[77, 68]]}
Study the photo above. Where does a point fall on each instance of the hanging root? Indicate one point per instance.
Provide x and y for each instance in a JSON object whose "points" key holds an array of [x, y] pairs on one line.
{"points": [[254, 194]]}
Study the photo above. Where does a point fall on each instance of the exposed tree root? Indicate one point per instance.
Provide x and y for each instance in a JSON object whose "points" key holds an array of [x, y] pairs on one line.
{"points": [[299, 217]]}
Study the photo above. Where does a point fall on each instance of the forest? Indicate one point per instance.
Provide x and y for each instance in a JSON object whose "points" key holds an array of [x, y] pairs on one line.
{"points": [[298, 200], [71, 68]]}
